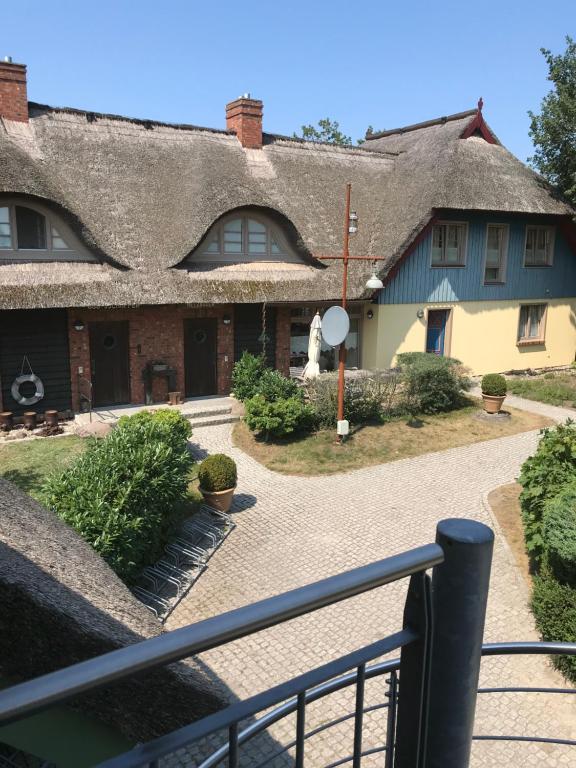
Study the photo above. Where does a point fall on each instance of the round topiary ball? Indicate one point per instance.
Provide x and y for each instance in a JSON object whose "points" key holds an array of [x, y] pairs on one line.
{"points": [[494, 385], [217, 473]]}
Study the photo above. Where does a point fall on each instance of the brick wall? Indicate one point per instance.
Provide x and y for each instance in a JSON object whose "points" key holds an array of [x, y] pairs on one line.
{"points": [[156, 333], [244, 116], [283, 340], [13, 97]]}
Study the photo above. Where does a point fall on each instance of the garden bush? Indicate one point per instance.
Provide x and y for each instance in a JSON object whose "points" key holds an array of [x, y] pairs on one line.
{"points": [[366, 398], [560, 534], [246, 375], [432, 383], [275, 386], [217, 473], [494, 385], [554, 608], [542, 477], [124, 494], [278, 418]]}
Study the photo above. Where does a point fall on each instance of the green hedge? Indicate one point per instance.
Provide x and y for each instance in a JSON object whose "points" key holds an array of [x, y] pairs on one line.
{"points": [[124, 494], [554, 607], [246, 375], [280, 417], [542, 477], [432, 383], [560, 534]]}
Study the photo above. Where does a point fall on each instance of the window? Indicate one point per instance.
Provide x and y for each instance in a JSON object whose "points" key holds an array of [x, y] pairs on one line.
{"points": [[496, 251], [449, 245], [539, 246], [532, 326], [27, 232], [301, 317], [248, 237]]}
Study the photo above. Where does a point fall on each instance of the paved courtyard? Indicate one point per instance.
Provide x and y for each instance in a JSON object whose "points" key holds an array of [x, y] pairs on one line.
{"points": [[294, 530]]}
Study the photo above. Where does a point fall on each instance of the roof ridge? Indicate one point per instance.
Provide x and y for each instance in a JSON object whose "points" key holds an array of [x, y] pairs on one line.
{"points": [[92, 116], [330, 144], [425, 124]]}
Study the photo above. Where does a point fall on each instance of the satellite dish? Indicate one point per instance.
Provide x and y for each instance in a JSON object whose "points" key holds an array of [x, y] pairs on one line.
{"points": [[335, 326]]}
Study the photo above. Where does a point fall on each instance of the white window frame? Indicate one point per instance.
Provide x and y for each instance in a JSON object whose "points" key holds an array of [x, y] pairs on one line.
{"points": [[202, 254], [536, 340], [463, 249], [503, 258], [75, 251], [550, 256]]}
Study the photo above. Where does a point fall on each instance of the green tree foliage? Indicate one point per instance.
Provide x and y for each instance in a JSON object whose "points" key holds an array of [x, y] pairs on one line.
{"points": [[553, 131], [327, 131]]}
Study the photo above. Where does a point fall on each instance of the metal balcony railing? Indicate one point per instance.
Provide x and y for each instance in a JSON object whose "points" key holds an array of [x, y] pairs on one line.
{"points": [[431, 689]]}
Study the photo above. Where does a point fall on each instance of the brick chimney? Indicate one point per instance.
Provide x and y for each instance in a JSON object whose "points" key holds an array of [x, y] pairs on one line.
{"points": [[13, 97], [244, 117]]}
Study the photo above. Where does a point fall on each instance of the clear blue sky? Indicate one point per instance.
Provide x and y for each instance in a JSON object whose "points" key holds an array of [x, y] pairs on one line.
{"points": [[379, 63]]}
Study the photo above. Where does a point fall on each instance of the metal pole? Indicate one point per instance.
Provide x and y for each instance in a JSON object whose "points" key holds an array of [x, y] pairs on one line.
{"points": [[342, 350], [459, 595]]}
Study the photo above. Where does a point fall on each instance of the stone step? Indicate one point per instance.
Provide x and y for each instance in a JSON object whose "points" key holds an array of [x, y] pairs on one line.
{"points": [[213, 421], [200, 413]]}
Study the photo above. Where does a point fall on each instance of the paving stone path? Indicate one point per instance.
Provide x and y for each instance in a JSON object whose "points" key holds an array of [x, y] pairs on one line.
{"points": [[294, 530]]}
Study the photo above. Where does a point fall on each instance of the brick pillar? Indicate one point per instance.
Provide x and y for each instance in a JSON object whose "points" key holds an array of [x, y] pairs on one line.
{"points": [[13, 96], [225, 349], [79, 350], [283, 340]]}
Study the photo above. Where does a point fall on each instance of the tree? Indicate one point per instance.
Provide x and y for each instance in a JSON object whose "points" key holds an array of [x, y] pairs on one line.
{"points": [[327, 130], [553, 131]]}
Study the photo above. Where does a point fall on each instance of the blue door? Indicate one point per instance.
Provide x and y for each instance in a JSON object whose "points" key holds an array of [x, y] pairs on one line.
{"points": [[436, 333]]}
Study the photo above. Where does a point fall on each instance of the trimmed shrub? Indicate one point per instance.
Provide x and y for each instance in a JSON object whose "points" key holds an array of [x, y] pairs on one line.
{"points": [[366, 398], [554, 607], [275, 386], [432, 383], [542, 477], [246, 375], [493, 384], [280, 417], [124, 494], [217, 473], [559, 533]]}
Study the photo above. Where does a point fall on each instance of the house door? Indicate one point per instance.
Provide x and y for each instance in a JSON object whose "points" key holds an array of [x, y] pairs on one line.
{"points": [[436, 332], [110, 364], [200, 357]]}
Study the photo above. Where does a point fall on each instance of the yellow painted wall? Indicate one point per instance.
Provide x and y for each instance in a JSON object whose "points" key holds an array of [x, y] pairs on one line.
{"points": [[483, 335]]}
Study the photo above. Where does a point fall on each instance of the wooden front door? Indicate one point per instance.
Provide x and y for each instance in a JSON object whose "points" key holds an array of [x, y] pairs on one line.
{"points": [[110, 363], [200, 357], [436, 332]]}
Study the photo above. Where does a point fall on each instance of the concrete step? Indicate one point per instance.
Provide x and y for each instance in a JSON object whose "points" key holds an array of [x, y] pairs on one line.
{"points": [[212, 421]]}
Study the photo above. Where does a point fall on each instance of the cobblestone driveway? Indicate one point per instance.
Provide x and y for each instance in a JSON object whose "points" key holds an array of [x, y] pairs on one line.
{"points": [[295, 530]]}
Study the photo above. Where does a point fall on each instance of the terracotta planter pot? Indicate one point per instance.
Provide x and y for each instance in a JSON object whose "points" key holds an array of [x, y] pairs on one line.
{"points": [[6, 421], [220, 500], [29, 420], [493, 403], [51, 418]]}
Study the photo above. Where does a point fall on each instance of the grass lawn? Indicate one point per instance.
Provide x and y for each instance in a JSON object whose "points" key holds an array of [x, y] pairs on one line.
{"points": [[318, 454], [27, 463], [552, 388]]}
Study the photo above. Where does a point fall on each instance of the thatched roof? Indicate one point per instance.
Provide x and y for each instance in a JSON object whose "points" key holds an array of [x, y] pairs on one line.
{"points": [[142, 195], [60, 603]]}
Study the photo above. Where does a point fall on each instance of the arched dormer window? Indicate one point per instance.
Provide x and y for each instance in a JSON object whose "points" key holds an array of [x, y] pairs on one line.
{"points": [[30, 232], [245, 236]]}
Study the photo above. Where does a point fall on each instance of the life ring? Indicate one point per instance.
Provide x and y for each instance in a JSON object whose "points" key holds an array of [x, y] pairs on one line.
{"points": [[22, 379]]}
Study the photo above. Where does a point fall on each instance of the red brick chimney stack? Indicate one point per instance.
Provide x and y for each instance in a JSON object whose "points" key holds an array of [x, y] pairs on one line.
{"points": [[13, 96], [244, 117]]}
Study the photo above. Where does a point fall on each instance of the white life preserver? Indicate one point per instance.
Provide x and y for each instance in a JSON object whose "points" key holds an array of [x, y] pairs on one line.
{"points": [[22, 379]]}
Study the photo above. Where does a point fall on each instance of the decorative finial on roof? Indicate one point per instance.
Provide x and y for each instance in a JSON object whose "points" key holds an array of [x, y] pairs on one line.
{"points": [[480, 104]]}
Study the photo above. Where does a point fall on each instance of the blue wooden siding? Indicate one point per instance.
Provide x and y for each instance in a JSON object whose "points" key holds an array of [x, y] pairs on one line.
{"points": [[417, 282]]}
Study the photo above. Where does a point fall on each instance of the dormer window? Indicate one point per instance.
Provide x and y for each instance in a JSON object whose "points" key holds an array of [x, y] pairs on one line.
{"points": [[245, 237], [28, 233]]}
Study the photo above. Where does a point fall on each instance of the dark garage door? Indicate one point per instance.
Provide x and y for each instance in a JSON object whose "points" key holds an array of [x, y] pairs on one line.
{"points": [[248, 331], [42, 337]]}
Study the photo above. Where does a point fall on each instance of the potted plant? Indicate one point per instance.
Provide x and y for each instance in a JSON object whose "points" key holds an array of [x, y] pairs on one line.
{"points": [[493, 392], [217, 475]]}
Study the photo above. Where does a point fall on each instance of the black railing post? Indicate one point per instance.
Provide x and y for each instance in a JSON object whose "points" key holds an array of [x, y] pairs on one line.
{"points": [[459, 595]]}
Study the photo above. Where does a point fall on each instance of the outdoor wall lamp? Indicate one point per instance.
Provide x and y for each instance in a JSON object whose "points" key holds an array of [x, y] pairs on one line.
{"points": [[374, 283], [79, 325], [420, 314], [353, 223], [370, 314], [226, 319]]}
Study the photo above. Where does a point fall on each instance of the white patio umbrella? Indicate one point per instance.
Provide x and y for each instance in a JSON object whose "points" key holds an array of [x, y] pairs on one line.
{"points": [[312, 367]]}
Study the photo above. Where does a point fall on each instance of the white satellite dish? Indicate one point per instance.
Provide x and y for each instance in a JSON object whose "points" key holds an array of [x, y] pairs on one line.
{"points": [[335, 326]]}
